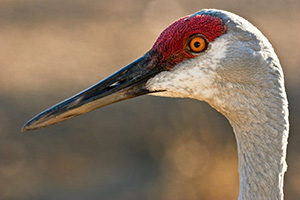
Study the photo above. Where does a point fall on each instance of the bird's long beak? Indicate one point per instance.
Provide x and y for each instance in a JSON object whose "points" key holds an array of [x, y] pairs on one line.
{"points": [[126, 83]]}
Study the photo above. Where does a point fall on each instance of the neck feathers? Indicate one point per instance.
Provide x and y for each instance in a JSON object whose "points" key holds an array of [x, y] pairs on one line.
{"points": [[262, 153], [261, 129]]}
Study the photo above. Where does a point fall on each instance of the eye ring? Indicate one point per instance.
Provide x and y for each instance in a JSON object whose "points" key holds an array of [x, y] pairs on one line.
{"points": [[197, 43]]}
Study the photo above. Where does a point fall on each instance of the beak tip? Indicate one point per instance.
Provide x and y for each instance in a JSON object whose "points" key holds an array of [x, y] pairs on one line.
{"points": [[25, 128]]}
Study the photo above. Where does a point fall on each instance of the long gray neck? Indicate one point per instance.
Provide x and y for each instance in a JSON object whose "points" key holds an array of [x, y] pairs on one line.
{"points": [[262, 152], [261, 132]]}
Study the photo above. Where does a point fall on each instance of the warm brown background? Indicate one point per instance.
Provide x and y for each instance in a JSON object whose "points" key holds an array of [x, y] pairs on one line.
{"points": [[146, 148]]}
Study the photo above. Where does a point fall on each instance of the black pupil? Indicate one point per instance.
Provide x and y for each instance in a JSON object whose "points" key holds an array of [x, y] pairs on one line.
{"points": [[197, 44]]}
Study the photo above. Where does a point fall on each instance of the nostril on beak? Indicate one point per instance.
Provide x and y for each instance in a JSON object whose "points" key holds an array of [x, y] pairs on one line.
{"points": [[113, 85]]}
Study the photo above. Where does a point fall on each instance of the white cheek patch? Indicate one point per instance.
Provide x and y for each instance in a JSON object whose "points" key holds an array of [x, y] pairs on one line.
{"points": [[182, 82], [192, 78], [217, 52]]}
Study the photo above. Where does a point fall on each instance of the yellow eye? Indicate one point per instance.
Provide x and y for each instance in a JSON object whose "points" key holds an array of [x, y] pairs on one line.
{"points": [[197, 44]]}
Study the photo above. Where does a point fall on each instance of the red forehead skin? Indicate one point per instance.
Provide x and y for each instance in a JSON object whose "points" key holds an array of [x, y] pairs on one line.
{"points": [[171, 42]]}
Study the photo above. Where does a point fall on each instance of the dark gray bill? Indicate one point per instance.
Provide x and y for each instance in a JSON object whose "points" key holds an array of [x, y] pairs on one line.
{"points": [[126, 83]]}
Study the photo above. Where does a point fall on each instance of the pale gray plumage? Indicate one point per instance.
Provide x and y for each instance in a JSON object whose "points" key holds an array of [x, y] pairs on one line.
{"points": [[239, 75], [247, 87]]}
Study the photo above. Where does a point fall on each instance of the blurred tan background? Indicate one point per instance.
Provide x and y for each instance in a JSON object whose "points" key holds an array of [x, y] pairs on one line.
{"points": [[145, 148]]}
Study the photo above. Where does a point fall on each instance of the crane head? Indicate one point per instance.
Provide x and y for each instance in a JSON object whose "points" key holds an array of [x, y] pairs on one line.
{"points": [[191, 58]]}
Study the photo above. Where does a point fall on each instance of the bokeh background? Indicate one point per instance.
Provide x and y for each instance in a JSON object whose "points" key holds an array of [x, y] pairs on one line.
{"points": [[145, 148]]}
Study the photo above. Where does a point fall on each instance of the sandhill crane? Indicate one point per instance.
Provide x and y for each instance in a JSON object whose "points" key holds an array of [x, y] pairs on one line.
{"points": [[220, 58]]}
